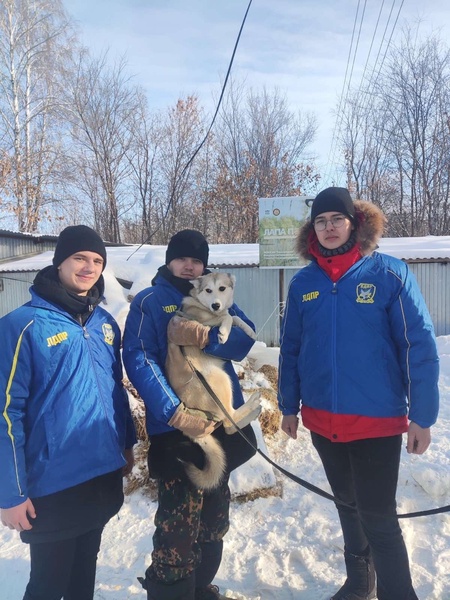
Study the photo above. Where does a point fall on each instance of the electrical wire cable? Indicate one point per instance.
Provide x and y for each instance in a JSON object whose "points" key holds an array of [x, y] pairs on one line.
{"points": [[370, 91], [340, 115], [372, 80], [197, 150], [387, 47], [343, 86]]}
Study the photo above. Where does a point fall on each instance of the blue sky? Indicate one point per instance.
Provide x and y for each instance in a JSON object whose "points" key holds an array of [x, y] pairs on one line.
{"points": [[302, 47]]}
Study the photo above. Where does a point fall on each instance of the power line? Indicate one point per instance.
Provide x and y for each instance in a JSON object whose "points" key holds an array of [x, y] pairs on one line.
{"points": [[371, 87], [372, 79], [333, 137], [189, 162], [371, 46], [368, 95]]}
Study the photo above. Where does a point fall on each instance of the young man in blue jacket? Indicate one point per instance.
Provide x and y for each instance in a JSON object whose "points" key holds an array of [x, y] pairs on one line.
{"points": [[190, 524], [66, 431], [358, 358]]}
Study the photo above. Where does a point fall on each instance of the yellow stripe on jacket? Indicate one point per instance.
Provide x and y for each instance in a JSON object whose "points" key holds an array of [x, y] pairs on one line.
{"points": [[8, 401]]}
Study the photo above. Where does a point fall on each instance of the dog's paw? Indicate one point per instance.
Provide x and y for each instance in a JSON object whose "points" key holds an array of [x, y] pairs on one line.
{"points": [[243, 421], [254, 400], [223, 335], [245, 414], [238, 322]]}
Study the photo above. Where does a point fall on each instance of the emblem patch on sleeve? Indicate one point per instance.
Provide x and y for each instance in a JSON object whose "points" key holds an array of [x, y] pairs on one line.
{"points": [[108, 332], [365, 293]]}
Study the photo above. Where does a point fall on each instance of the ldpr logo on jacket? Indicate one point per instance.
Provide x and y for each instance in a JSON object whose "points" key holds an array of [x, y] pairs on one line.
{"points": [[56, 339], [310, 296], [365, 293], [108, 332], [170, 308]]}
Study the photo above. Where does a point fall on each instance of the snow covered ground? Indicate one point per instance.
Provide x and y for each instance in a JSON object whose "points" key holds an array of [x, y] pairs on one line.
{"points": [[279, 547]]}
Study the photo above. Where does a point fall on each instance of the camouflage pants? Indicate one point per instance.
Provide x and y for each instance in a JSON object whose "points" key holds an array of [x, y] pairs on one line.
{"points": [[185, 519]]}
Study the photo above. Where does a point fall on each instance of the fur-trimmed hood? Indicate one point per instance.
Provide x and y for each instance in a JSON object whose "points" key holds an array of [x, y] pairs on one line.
{"points": [[370, 223]]}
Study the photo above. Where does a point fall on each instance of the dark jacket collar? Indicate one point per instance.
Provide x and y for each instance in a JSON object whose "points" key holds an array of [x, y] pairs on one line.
{"points": [[182, 285], [48, 286]]}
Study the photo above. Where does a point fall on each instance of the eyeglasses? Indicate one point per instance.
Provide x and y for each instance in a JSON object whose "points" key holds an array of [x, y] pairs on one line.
{"points": [[337, 221]]}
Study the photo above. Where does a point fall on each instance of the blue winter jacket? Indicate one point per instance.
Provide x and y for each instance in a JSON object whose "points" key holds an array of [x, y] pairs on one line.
{"points": [[361, 346], [64, 415], [145, 351]]}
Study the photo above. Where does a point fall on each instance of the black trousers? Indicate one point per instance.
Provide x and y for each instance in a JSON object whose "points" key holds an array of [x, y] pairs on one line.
{"points": [[364, 475], [64, 569]]}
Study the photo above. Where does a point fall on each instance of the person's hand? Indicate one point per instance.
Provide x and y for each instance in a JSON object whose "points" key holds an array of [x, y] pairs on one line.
{"points": [[193, 422], [419, 438], [289, 424], [184, 332], [128, 454], [17, 516]]}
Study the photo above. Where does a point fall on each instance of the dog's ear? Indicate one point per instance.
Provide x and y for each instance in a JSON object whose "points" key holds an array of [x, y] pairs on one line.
{"points": [[232, 279], [196, 282]]}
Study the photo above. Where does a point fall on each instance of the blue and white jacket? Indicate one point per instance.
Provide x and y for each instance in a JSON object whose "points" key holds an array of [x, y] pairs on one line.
{"points": [[64, 414], [145, 351], [363, 345]]}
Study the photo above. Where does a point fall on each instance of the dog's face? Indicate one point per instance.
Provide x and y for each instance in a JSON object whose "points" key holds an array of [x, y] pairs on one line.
{"points": [[214, 291]]}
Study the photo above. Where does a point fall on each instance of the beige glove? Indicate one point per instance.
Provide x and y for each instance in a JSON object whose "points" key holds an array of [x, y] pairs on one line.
{"points": [[194, 422], [184, 332]]}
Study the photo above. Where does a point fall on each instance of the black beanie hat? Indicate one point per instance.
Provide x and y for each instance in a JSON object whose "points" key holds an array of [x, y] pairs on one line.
{"points": [[188, 243], [78, 238], [333, 199]]}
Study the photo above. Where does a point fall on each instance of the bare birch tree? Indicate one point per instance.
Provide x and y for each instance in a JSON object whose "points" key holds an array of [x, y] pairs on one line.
{"points": [[143, 155], [35, 40], [102, 102]]}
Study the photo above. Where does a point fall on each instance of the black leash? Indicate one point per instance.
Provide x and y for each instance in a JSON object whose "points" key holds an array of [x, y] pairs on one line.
{"points": [[306, 484]]}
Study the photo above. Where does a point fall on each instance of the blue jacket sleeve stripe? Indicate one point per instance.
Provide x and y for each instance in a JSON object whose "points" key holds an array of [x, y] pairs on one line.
{"points": [[417, 352], [408, 348], [408, 345], [8, 402]]}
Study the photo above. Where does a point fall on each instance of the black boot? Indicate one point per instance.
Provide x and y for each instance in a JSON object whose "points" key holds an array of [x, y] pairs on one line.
{"points": [[210, 592], [410, 595], [211, 556], [184, 589], [360, 582]]}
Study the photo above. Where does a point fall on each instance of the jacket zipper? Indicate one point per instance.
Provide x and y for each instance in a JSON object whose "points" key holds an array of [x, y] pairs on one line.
{"points": [[334, 299]]}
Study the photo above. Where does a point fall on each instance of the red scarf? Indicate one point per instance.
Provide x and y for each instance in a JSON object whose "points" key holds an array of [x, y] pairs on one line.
{"points": [[334, 266]]}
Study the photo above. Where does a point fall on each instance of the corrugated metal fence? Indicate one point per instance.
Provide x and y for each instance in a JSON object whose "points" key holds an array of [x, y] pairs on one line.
{"points": [[14, 288], [261, 294], [434, 282]]}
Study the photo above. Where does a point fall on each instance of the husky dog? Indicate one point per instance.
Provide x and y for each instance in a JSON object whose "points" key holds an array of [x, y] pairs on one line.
{"points": [[208, 303]]}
